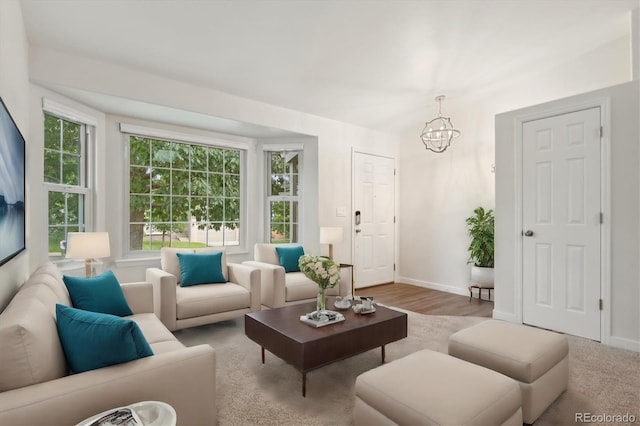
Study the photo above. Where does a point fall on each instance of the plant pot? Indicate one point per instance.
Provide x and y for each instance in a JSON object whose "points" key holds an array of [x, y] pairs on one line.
{"points": [[482, 277]]}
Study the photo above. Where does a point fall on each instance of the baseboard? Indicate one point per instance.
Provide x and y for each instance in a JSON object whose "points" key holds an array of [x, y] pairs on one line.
{"points": [[506, 316], [624, 343], [434, 286]]}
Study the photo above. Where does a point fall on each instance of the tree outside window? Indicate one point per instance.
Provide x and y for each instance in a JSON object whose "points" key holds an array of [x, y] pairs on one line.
{"points": [[283, 196], [182, 195], [65, 180]]}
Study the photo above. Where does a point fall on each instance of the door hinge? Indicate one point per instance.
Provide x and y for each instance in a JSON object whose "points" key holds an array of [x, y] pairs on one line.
{"points": [[601, 304], [601, 131], [601, 217], [394, 219], [394, 266]]}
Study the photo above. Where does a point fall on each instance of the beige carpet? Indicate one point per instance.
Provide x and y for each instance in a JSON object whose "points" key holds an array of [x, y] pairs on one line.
{"points": [[603, 380]]}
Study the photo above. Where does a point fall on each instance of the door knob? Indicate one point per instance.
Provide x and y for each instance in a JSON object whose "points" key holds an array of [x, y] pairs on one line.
{"points": [[528, 233], [358, 230]]}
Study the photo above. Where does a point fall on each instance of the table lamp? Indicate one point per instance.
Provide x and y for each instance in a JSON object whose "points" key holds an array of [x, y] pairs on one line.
{"points": [[330, 235], [88, 246]]}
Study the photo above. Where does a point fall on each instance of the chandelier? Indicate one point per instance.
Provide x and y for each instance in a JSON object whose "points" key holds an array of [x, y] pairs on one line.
{"points": [[438, 133]]}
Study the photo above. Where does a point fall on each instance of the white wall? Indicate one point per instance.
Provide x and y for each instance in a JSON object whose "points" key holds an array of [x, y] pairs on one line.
{"points": [[621, 289], [335, 140], [438, 191], [14, 90]]}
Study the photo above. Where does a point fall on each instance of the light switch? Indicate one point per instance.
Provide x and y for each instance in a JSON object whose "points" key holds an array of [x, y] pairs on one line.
{"points": [[341, 212]]}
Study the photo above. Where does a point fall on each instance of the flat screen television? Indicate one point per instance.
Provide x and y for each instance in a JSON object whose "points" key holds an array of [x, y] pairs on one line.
{"points": [[12, 187]]}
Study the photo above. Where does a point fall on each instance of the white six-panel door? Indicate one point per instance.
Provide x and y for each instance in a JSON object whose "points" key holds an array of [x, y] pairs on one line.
{"points": [[374, 192], [561, 223]]}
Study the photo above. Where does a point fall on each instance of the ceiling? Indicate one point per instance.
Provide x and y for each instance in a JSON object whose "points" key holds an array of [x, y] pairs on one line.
{"points": [[373, 63]]}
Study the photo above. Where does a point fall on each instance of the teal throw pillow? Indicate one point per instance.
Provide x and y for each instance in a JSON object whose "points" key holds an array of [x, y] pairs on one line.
{"points": [[289, 256], [101, 294], [200, 268], [91, 340]]}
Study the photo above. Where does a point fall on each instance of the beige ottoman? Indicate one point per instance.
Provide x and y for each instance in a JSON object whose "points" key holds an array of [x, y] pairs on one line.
{"points": [[537, 359], [432, 388]]}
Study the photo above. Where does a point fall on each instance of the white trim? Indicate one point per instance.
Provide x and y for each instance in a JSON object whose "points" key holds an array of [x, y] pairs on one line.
{"points": [[544, 111], [151, 132], [624, 343], [71, 114], [434, 286], [279, 147], [505, 316]]}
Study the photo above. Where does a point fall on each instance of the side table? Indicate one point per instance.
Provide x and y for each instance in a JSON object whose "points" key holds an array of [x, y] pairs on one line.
{"points": [[353, 287]]}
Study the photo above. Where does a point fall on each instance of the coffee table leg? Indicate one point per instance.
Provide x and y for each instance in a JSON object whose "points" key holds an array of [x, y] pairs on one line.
{"points": [[262, 350], [382, 353], [304, 385]]}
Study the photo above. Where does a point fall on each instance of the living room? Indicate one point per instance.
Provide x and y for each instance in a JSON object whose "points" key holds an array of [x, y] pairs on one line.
{"points": [[434, 193]]}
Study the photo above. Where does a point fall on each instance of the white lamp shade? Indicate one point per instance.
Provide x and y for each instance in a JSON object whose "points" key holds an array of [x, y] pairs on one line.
{"points": [[88, 245], [330, 235]]}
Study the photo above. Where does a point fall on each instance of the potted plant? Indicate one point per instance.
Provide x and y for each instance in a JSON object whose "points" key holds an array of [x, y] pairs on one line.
{"points": [[481, 253]]}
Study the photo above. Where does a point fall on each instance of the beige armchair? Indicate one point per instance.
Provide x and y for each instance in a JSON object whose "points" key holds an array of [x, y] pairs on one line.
{"points": [[183, 307], [280, 288]]}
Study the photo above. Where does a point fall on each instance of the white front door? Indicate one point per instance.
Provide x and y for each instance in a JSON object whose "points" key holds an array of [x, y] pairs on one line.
{"points": [[561, 223], [373, 219]]}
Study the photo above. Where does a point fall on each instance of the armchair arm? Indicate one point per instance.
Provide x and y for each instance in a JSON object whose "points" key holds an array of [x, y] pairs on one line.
{"points": [[249, 278], [164, 285], [139, 296], [185, 379], [272, 283]]}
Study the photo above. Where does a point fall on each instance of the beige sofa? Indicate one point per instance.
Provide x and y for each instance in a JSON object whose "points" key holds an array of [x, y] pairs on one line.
{"points": [[279, 288], [36, 388], [183, 307]]}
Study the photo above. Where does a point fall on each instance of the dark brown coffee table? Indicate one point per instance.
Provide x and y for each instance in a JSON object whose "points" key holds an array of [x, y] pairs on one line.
{"points": [[281, 332]]}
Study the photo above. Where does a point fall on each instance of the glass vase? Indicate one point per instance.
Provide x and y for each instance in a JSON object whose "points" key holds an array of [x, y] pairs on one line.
{"points": [[322, 300]]}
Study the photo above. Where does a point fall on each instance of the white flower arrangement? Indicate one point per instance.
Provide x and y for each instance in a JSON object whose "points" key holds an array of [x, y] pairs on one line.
{"points": [[321, 270]]}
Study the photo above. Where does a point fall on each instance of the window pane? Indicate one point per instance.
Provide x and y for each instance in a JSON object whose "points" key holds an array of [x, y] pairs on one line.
{"points": [[179, 182], [71, 170], [216, 209], [198, 158], [232, 210], [160, 182], [51, 132], [216, 160], [232, 234], [180, 209], [231, 186], [160, 154], [216, 181], [199, 209], [139, 180], [180, 156], [139, 237], [52, 167], [56, 241], [57, 209], [139, 205], [139, 151], [71, 137], [280, 185], [199, 184], [232, 162]]}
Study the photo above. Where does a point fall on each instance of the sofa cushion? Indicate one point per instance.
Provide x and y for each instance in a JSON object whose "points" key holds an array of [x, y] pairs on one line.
{"points": [[50, 275], [100, 294], [153, 329], [200, 268], [207, 299], [31, 351], [92, 340], [266, 253], [169, 260], [288, 257]]}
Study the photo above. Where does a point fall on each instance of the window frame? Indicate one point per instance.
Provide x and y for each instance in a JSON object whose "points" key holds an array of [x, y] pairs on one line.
{"points": [[127, 130], [86, 184]]}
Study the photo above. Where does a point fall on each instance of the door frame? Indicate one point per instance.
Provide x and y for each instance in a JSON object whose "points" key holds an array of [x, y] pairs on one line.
{"points": [[604, 103], [355, 151]]}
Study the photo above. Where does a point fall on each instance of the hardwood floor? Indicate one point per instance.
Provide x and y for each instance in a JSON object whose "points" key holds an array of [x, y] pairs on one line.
{"points": [[427, 301]]}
